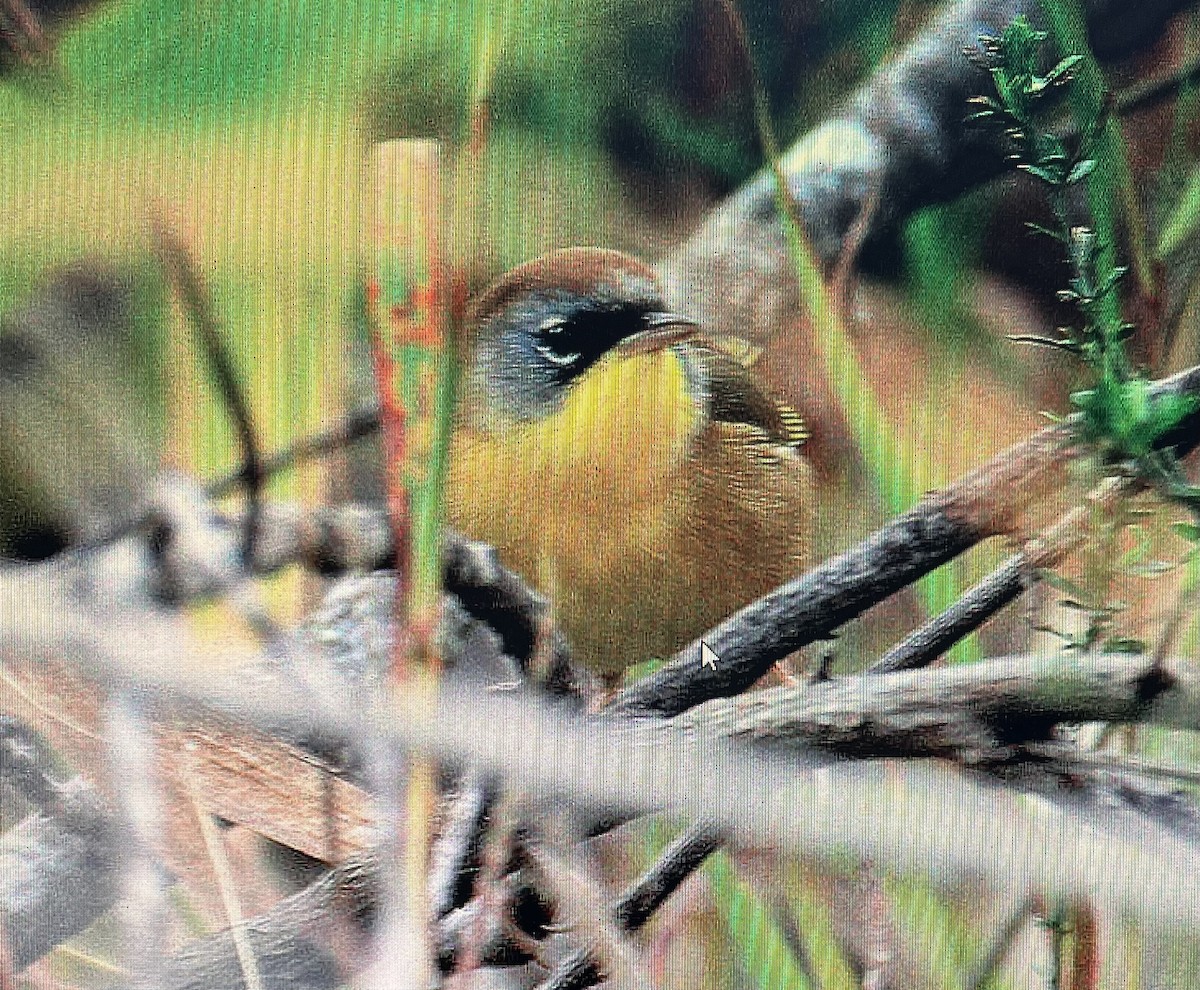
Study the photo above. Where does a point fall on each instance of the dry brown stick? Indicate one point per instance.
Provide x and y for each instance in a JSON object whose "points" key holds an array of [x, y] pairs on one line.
{"points": [[496, 896], [243, 774], [1005, 584], [495, 945], [978, 604], [969, 712], [631, 910]]}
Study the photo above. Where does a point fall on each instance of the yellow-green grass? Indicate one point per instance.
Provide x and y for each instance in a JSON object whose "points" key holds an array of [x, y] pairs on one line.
{"points": [[761, 952]]}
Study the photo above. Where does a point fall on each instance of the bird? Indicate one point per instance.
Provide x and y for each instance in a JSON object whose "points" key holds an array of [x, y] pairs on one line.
{"points": [[622, 461]]}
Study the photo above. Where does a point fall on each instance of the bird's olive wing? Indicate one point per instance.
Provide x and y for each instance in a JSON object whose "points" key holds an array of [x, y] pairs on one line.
{"points": [[734, 397]]}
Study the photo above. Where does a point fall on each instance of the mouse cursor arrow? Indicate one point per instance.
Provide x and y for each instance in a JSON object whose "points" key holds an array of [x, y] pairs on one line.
{"points": [[707, 657]]}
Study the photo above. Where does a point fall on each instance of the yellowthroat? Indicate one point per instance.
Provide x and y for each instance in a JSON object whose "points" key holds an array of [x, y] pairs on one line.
{"points": [[622, 462]]}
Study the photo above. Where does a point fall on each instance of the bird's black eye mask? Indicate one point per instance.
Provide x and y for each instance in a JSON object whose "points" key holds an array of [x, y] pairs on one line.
{"points": [[534, 351], [569, 345]]}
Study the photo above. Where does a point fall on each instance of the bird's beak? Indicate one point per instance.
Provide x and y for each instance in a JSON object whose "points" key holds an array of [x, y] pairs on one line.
{"points": [[662, 330]]}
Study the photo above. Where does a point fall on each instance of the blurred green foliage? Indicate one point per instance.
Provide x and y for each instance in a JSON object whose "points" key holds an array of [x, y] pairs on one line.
{"points": [[249, 118], [659, 86], [255, 115]]}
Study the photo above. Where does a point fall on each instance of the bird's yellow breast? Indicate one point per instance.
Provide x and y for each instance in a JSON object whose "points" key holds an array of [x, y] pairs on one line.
{"points": [[657, 492], [581, 501], [604, 459]]}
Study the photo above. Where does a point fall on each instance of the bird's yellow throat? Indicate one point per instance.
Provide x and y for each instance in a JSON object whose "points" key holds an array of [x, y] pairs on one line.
{"points": [[618, 439]]}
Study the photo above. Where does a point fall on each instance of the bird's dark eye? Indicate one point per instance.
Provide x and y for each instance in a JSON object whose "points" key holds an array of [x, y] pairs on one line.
{"points": [[552, 346]]}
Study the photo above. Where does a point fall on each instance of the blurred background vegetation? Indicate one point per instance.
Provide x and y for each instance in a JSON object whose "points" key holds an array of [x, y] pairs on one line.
{"points": [[612, 123], [615, 123], [246, 123]]}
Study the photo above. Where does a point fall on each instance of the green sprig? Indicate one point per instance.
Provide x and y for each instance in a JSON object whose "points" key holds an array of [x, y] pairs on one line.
{"points": [[1119, 415]]}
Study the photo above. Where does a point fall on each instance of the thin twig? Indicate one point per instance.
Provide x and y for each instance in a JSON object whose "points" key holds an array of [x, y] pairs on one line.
{"points": [[355, 425], [985, 971], [227, 888], [678, 861], [181, 271], [924, 645], [455, 858], [842, 281], [491, 892], [641, 899], [631, 910], [978, 604], [579, 905]]}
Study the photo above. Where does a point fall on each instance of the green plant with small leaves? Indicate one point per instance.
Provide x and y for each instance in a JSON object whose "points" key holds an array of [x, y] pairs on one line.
{"points": [[1100, 617], [1119, 415]]}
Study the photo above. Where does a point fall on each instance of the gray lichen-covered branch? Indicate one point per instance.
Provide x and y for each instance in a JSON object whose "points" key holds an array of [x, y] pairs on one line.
{"points": [[902, 141]]}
